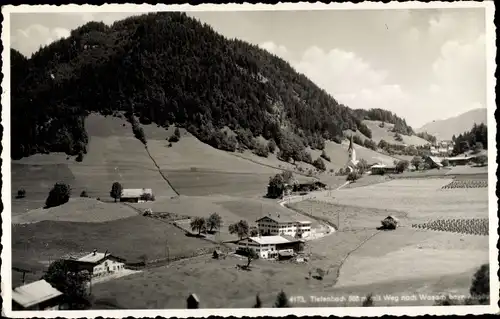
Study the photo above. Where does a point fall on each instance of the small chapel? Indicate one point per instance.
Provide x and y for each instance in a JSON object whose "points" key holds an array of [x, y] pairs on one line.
{"points": [[352, 162]]}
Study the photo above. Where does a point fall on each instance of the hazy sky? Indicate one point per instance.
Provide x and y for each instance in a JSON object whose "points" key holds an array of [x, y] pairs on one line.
{"points": [[421, 64]]}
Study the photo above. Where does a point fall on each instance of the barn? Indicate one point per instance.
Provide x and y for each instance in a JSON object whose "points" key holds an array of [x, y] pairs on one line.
{"points": [[137, 195]]}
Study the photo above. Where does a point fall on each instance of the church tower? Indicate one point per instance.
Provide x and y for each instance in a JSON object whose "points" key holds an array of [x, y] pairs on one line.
{"points": [[352, 151]]}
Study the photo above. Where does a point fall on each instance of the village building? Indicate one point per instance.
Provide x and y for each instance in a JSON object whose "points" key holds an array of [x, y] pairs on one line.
{"points": [[97, 264], [277, 224], [352, 162], [137, 195], [268, 247], [381, 169], [38, 295], [433, 161], [442, 148]]}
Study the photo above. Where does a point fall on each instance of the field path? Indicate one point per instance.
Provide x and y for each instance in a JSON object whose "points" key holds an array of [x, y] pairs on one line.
{"points": [[159, 171]]}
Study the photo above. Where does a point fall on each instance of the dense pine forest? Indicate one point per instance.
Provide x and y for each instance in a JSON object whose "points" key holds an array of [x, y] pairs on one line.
{"points": [[474, 140], [168, 68]]}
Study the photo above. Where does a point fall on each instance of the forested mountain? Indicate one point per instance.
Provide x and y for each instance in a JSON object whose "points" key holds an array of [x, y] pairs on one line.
{"points": [[400, 125], [168, 68]]}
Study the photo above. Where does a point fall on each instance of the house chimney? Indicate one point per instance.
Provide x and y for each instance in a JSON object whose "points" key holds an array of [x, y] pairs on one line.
{"points": [[106, 253], [94, 252]]}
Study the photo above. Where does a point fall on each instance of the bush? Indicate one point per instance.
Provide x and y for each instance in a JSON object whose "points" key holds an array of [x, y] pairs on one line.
{"points": [[84, 194], [398, 137], [356, 139], [402, 166], [271, 146], [352, 177], [261, 150], [445, 163], [173, 139], [319, 164], [325, 156], [79, 157], [21, 193], [381, 125], [58, 195], [370, 144]]}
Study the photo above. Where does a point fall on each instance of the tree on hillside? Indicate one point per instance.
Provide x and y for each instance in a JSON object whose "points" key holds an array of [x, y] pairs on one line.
{"points": [[402, 166], [352, 177], [281, 300], [214, 221], [480, 287], [417, 161], [277, 183], [198, 224], [73, 284], [370, 144], [58, 195], [319, 164], [368, 302], [383, 144], [261, 150], [240, 228], [116, 191], [478, 147], [21, 193], [258, 303], [398, 137], [271, 146], [325, 156], [254, 231], [84, 194], [250, 254]]}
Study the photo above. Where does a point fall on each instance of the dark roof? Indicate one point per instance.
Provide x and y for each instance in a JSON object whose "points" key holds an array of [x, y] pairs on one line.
{"points": [[278, 218]]}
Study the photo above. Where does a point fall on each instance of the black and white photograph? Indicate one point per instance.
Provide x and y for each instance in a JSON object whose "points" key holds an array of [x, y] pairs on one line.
{"points": [[305, 159]]}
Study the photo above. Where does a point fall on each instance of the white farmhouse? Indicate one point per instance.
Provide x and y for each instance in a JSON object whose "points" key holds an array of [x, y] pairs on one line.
{"points": [[273, 225], [98, 264], [271, 246]]}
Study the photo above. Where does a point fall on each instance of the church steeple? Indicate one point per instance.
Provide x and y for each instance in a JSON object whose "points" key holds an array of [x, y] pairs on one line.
{"points": [[351, 146]]}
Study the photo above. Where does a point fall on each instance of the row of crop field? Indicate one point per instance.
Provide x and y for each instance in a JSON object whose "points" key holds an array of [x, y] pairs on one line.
{"points": [[467, 183], [471, 226]]}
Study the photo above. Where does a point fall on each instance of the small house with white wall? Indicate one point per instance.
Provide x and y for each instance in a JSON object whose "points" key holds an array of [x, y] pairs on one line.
{"points": [[38, 295], [271, 246], [137, 195], [98, 264], [277, 224]]}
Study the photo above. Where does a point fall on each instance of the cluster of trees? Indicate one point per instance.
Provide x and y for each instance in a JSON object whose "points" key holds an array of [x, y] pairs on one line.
{"points": [[410, 150], [58, 195], [428, 137], [385, 116], [210, 224], [277, 183], [474, 140], [166, 68]]}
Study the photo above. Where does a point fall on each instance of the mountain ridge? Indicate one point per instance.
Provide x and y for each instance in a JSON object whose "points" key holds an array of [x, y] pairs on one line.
{"points": [[446, 128], [197, 79]]}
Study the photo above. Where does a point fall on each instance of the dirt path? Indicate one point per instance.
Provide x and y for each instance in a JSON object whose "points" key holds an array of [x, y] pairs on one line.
{"points": [[159, 171]]}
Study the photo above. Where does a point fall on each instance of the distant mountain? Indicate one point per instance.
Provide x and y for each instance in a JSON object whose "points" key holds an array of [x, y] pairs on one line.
{"points": [[445, 129]]}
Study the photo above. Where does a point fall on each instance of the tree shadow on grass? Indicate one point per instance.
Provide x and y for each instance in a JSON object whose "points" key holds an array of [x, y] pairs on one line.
{"points": [[195, 235]]}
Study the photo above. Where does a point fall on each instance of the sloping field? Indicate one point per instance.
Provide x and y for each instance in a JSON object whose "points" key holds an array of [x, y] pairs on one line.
{"points": [[406, 254], [422, 199], [379, 133], [113, 155], [77, 210], [128, 238]]}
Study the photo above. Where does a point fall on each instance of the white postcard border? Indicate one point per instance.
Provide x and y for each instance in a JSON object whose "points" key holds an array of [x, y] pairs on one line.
{"points": [[278, 312]]}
